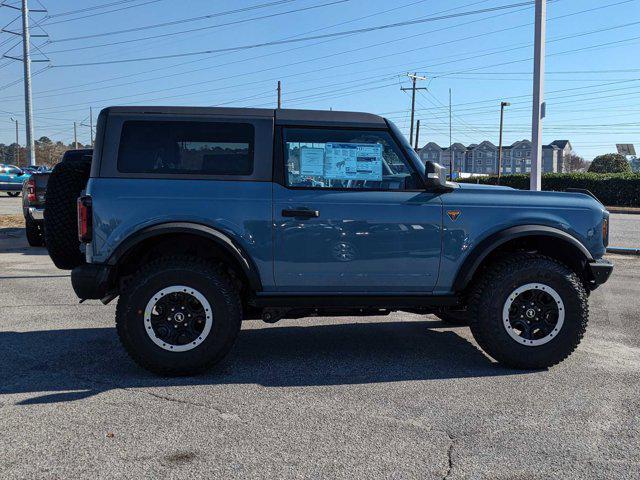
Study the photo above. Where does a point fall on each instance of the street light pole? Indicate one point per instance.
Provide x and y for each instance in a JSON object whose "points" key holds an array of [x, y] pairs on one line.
{"points": [[538, 95], [502, 105]]}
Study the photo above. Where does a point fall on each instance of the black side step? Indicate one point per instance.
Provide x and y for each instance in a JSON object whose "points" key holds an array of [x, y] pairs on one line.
{"points": [[355, 301]]}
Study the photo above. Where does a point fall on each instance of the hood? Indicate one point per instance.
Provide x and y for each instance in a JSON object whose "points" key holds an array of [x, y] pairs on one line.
{"points": [[507, 196]]}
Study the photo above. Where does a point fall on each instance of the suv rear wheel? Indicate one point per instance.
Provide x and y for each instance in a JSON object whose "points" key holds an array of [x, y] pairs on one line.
{"points": [[178, 316], [529, 311]]}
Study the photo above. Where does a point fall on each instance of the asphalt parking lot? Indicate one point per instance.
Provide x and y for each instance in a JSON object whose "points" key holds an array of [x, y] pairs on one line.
{"points": [[401, 396]]}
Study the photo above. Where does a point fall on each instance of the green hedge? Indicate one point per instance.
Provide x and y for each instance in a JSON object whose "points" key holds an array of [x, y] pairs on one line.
{"points": [[612, 189]]}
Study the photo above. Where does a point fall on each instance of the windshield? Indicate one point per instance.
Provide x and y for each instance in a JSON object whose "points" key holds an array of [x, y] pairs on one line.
{"points": [[415, 159]]}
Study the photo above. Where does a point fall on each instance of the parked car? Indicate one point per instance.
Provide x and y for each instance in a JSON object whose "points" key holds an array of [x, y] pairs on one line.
{"points": [[33, 197], [36, 168], [197, 218], [11, 179]]}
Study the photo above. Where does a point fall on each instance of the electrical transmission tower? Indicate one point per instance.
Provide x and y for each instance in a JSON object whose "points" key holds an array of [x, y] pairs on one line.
{"points": [[26, 62]]}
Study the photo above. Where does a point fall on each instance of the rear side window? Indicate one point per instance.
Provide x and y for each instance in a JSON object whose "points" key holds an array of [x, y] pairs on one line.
{"points": [[188, 148]]}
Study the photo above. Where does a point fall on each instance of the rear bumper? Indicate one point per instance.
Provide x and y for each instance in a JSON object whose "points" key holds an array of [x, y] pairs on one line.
{"points": [[36, 213], [10, 187], [600, 272], [92, 281]]}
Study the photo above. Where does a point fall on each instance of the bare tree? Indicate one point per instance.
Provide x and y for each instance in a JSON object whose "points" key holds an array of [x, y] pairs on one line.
{"points": [[574, 163]]}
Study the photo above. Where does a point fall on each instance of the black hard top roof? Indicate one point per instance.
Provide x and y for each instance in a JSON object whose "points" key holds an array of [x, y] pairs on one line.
{"points": [[281, 116]]}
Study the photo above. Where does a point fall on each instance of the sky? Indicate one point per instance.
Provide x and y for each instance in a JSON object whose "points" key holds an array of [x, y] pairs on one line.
{"points": [[338, 54]]}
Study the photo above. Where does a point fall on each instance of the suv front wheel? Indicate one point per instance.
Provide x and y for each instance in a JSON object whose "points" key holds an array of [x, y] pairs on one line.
{"points": [[178, 316], [529, 311]]}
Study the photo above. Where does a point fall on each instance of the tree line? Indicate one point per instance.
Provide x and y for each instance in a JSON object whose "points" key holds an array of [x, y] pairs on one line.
{"points": [[48, 152]]}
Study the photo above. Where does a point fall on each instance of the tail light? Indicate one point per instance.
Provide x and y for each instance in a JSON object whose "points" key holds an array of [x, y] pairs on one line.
{"points": [[85, 224], [31, 190]]}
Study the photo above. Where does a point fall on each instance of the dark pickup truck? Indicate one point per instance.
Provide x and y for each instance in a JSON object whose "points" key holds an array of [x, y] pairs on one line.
{"points": [[33, 192], [33, 197]]}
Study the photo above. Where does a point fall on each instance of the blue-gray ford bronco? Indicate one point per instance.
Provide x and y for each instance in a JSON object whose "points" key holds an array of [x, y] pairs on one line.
{"points": [[198, 218]]}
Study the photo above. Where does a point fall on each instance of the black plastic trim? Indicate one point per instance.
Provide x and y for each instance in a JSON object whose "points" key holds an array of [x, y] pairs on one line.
{"points": [[354, 301], [485, 247], [92, 281], [245, 262], [600, 271]]}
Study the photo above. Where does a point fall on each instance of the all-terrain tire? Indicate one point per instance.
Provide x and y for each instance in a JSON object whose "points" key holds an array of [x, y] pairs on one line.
{"points": [[491, 293], [67, 180], [208, 279], [35, 232]]}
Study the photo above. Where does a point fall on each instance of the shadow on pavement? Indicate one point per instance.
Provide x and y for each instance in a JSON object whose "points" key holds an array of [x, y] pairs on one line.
{"points": [[13, 240], [66, 365]]}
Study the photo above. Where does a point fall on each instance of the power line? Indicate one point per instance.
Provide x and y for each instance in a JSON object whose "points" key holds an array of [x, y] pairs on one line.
{"points": [[304, 39], [88, 9], [103, 13], [163, 69], [174, 22], [164, 35]]}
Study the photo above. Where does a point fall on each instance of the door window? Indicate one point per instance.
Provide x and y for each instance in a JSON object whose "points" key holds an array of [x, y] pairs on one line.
{"points": [[345, 159]]}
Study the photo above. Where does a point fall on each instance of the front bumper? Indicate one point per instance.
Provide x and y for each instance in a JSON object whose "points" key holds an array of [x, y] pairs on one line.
{"points": [[92, 281], [36, 213], [600, 271]]}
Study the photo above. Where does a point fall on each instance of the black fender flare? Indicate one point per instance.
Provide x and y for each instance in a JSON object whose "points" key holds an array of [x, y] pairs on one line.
{"points": [[223, 240], [485, 247]]}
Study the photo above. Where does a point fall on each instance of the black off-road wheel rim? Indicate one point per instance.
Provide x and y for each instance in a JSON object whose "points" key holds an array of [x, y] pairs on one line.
{"points": [[178, 318], [533, 314]]}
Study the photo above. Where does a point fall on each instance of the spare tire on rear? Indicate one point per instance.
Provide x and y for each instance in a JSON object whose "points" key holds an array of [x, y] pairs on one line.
{"points": [[67, 180]]}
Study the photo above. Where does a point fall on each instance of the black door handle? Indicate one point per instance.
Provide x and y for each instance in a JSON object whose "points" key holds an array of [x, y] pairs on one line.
{"points": [[301, 213]]}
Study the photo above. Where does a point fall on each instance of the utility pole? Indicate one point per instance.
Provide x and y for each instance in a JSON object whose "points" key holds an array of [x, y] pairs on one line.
{"points": [[414, 78], [17, 154], [417, 136], [279, 94], [538, 94], [26, 62], [451, 154], [91, 124], [502, 105], [75, 135]]}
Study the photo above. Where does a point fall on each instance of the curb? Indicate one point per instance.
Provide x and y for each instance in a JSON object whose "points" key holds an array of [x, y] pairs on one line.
{"points": [[624, 250], [627, 210]]}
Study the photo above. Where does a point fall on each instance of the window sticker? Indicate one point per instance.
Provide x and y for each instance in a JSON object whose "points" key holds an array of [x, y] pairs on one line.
{"points": [[353, 161], [312, 161]]}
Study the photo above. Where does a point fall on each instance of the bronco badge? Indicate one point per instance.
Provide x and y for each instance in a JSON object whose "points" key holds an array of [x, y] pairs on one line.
{"points": [[453, 214]]}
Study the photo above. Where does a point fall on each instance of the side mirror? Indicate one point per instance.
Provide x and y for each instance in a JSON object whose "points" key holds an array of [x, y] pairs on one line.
{"points": [[435, 176]]}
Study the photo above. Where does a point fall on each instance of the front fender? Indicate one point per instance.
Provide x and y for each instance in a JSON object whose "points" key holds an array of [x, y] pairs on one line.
{"points": [[474, 259]]}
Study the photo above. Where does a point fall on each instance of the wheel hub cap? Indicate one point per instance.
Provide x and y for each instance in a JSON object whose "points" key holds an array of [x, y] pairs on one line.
{"points": [[533, 314], [178, 318]]}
